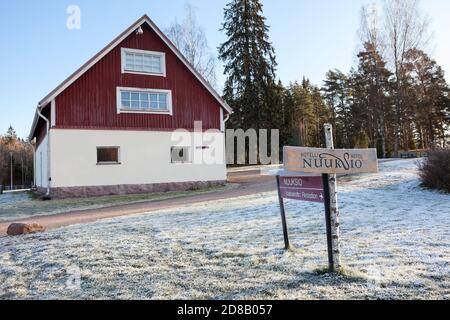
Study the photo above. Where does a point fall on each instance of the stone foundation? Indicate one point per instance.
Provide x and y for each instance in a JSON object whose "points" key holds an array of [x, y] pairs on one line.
{"points": [[96, 191]]}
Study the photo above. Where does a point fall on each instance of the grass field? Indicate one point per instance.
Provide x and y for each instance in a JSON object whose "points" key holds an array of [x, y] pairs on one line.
{"points": [[395, 245], [20, 205]]}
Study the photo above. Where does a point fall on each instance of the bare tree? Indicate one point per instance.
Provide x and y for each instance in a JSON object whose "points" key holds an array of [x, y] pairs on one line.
{"points": [[370, 28], [374, 48], [191, 40], [405, 28]]}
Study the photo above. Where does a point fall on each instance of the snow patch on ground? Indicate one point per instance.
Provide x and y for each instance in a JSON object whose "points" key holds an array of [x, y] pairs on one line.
{"points": [[395, 245]]}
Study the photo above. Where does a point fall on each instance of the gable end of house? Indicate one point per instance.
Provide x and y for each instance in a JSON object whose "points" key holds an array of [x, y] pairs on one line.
{"points": [[146, 23]]}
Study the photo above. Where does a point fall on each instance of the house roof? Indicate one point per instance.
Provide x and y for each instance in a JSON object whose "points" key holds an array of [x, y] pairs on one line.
{"points": [[78, 73]]}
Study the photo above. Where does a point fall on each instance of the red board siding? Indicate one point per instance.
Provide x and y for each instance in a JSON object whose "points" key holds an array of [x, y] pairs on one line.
{"points": [[90, 102]]}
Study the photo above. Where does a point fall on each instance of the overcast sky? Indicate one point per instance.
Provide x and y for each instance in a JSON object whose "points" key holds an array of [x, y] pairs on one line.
{"points": [[309, 36]]}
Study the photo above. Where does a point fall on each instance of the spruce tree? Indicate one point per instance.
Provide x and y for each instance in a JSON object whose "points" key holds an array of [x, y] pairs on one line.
{"points": [[249, 58]]}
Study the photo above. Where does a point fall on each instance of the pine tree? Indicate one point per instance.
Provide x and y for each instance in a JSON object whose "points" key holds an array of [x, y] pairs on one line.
{"points": [[302, 110], [372, 89], [10, 136], [338, 95], [429, 98], [322, 115], [405, 28]]}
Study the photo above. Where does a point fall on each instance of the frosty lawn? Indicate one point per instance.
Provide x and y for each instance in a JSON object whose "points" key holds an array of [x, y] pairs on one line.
{"points": [[395, 245], [20, 205]]}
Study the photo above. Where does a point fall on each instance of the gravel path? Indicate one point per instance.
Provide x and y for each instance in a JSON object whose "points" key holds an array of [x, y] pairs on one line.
{"points": [[67, 214]]}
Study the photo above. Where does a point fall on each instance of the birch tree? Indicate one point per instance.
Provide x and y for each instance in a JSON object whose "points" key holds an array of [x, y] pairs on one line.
{"points": [[370, 28], [189, 37], [405, 28]]}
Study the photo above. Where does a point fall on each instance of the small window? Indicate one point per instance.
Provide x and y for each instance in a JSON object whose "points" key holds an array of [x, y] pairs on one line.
{"points": [[107, 155], [180, 154], [145, 62]]}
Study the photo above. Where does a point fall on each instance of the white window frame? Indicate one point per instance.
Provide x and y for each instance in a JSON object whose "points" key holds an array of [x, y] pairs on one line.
{"points": [[162, 55], [124, 110]]}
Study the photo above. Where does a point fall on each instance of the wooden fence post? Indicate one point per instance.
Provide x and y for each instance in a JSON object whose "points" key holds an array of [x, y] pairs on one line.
{"points": [[333, 207]]}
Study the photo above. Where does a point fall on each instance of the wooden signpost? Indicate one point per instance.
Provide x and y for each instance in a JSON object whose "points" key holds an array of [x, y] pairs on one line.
{"points": [[327, 162]]}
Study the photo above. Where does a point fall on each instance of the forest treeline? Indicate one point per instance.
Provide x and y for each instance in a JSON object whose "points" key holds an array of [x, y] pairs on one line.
{"points": [[395, 98], [21, 153]]}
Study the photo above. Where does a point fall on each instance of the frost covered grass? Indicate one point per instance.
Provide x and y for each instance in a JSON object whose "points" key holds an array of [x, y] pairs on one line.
{"points": [[395, 245], [20, 205]]}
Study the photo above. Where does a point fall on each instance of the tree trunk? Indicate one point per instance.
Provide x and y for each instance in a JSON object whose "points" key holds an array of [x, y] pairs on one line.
{"points": [[383, 137]]}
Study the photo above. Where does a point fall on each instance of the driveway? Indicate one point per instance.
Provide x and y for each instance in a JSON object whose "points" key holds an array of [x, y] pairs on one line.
{"points": [[249, 182]]}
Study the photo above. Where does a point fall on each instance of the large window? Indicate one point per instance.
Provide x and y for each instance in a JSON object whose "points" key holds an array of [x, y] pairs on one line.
{"points": [[108, 155], [144, 100], [144, 62]]}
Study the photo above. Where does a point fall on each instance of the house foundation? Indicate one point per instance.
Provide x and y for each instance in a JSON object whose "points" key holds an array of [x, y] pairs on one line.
{"points": [[98, 191]]}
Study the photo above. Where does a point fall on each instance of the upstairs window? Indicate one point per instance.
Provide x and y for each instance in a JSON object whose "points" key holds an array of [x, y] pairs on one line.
{"points": [[143, 62], [144, 100]]}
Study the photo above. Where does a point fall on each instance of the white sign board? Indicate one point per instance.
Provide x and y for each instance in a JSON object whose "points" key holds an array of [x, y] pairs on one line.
{"points": [[316, 160]]}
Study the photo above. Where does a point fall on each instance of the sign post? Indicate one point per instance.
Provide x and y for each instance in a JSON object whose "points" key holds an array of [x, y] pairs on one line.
{"points": [[331, 210], [283, 216], [297, 187], [326, 191], [327, 162]]}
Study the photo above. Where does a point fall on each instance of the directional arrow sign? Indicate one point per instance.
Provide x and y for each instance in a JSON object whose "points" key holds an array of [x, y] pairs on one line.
{"points": [[307, 188]]}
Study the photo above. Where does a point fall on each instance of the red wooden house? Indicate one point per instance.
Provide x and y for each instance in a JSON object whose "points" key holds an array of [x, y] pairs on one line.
{"points": [[109, 127]]}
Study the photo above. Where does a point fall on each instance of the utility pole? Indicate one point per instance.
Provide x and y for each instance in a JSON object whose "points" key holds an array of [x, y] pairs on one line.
{"points": [[332, 215], [11, 156]]}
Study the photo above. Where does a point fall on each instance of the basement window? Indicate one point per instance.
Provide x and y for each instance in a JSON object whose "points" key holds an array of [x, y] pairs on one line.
{"points": [[143, 62], [180, 155], [107, 155]]}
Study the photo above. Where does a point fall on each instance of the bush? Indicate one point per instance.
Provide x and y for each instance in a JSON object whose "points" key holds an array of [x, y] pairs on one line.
{"points": [[435, 170]]}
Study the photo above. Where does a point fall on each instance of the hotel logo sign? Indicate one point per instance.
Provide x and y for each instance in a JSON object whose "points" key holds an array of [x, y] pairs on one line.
{"points": [[330, 161]]}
